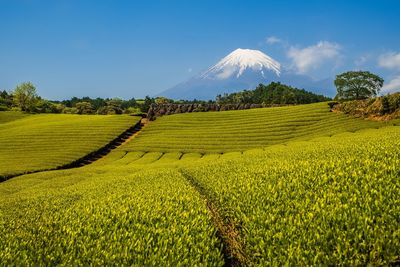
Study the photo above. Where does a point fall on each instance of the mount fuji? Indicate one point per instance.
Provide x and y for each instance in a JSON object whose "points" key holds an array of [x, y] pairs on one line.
{"points": [[243, 69]]}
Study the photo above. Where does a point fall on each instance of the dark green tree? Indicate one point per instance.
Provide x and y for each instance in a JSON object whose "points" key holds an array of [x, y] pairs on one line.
{"points": [[357, 85], [84, 108], [147, 103], [131, 103], [162, 100], [273, 93], [5, 100]]}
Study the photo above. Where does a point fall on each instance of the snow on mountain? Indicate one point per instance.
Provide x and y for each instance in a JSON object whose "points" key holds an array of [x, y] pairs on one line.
{"points": [[239, 61], [241, 69]]}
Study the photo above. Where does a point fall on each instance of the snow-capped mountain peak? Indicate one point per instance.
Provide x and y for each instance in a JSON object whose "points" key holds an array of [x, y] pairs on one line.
{"points": [[240, 60], [243, 69]]}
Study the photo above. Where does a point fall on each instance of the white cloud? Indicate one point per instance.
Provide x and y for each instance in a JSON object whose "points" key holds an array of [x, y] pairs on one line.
{"points": [[273, 40], [361, 60], [392, 86], [390, 60], [311, 57]]}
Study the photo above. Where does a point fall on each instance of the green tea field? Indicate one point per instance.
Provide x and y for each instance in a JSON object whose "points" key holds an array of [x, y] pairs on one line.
{"points": [[39, 142], [294, 186], [218, 132]]}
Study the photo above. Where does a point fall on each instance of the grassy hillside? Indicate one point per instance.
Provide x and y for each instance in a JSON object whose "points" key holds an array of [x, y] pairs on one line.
{"points": [[216, 132], [7, 116], [45, 141], [332, 201], [327, 201], [325, 194]]}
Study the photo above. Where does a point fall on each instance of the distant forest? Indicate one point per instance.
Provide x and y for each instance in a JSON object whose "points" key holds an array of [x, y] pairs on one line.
{"points": [[25, 98], [273, 94]]}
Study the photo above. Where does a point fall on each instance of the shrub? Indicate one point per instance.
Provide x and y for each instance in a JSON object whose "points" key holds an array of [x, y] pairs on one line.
{"points": [[331, 104], [68, 110], [3, 108]]}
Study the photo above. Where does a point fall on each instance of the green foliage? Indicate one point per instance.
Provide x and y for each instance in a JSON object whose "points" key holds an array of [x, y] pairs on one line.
{"points": [[163, 100], [6, 100], [274, 93], [98, 105], [216, 132], [3, 108], [391, 103], [133, 111], [45, 106], [327, 201], [146, 104], [106, 217], [11, 116], [331, 201], [25, 96], [331, 104], [113, 106], [385, 107], [357, 85], [131, 103], [84, 108], [68, 110], [45, 141]]}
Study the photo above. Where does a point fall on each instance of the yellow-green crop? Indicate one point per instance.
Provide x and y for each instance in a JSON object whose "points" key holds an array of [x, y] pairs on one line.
{"points": [[314, 199], [46, 141], [218, 132]]}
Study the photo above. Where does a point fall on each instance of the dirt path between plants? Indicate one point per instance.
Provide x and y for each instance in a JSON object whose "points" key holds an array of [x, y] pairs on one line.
{"points": [[123, 138], [227, 232]]}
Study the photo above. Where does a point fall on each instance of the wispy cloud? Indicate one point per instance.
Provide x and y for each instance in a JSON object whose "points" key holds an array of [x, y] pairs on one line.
{"points": [[390, 60], [271, 40], [392, 86], [311, 57], [361, 60]]}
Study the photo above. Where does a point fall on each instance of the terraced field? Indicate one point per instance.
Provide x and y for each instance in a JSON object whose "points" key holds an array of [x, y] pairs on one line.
{"points": [[328, 197], [218, 132], [7, 116], [38, 142], [331, 201]]}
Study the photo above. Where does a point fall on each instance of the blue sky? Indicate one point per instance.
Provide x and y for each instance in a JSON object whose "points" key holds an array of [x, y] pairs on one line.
{"points": [[136, 48]]}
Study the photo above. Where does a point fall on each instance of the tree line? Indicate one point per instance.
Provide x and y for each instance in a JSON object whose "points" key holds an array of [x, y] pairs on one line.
{"points": [[25, 98], [274, 93], [351, 85]]}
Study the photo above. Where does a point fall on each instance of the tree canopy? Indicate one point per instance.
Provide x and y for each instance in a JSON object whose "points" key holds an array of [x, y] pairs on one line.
{"points": [[274, 93], [357, 85], [25, 96]]}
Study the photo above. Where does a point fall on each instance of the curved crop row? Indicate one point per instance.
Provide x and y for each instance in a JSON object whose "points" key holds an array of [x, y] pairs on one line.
{"points": [[46, 141], [333, 201], [84, 217], [217, 132]]}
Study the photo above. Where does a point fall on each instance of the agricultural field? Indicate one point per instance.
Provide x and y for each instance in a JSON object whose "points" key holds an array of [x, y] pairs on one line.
{"points": [[7, 116], [46, 141], [327, 195], [331, 201], [219, 132]]}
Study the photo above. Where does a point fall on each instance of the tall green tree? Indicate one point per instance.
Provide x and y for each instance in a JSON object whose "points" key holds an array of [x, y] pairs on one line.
{"points": [[357, 85], [147, 103], [5, 100], [84, 108], [25, 96]]}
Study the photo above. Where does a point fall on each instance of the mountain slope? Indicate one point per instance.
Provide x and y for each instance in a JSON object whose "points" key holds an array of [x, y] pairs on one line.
{"points": [[242, 69], [240, 60]]}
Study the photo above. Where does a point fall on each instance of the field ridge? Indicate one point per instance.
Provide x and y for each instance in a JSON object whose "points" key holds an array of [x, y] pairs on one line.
{"points": [[227, 232], [91, 157]]}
